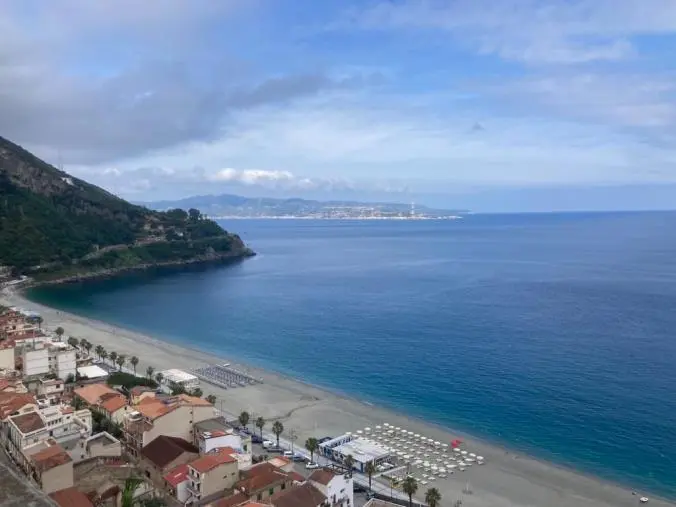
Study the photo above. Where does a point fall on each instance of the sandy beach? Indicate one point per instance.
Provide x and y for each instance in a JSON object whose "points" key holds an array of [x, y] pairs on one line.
{"points": [[508, 479]]}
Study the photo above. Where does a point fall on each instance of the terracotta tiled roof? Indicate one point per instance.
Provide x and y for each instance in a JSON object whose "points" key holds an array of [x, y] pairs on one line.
{"points": [[231, 501], [163, 450], [93, 393], [260, 477], [305, 495], [71, 497], [29, 422], [11, 402], [154, 408], [136, 390], [177, 475], [322, 476], [195, 401], [7, 344], [114, 403], [210, 461], [49, 458], [295, 476]]}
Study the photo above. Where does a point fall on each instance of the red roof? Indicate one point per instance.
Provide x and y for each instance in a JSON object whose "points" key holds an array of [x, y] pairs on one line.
{"points": [[295, 476], [114, 403], [322, 476], [28, 422], [305, 495], [11, 402], [71, 497], [50, 458], [177, 475], [211, 461], [231, 501], [261, 476]]}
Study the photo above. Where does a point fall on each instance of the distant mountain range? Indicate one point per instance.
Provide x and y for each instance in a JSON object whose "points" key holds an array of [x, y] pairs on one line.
{"points": [[235, 206]]}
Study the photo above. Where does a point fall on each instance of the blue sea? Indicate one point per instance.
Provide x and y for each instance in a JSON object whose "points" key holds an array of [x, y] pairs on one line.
{"points": [[553, 334]]}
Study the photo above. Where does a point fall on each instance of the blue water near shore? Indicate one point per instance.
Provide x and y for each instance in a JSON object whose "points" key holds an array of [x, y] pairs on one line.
{"points": [[553, 334]]}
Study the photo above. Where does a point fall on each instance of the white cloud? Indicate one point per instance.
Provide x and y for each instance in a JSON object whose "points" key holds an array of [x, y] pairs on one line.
{"points": [[251, 176], [531, 31]]}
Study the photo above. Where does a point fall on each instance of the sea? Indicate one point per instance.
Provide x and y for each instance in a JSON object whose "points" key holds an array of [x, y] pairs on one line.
{"points": [[552, 334]]}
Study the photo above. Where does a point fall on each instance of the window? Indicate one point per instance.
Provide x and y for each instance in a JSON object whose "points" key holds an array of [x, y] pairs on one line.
{"points": [[271, 491], [283, 485], [259, 497]]}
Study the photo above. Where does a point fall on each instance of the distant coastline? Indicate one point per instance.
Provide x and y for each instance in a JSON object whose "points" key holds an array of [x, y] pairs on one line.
{"points": [[301, 217]]}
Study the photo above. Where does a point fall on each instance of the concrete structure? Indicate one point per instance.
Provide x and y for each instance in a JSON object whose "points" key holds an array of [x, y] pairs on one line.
{"points": [[216, 433], [51, 466], [363, 451], [336, 487], [176, 483], [180, 377], [92, 372], [282, 463], [41, 358], [262, 481], [63, 360], [164, 454], [102, 445], [211, 474], [7, 355], [35, 359], [70, 497], [51, 389], [164, 415]]}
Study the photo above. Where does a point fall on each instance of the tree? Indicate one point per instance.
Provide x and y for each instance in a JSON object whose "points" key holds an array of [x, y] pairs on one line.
{"points": [[194, 214], [197, 392], [277, 429], [130, 486], [104, 355], [211, 399], [82, 344], [113, 357], [99, 349], [410, 486], [312, 445], [433, 497], [149, 371], [244, 418], [159, 377], [370, 469], [260, 422], [72, 341], [120, 361], [39, 320], [88, 346], [70, 378], [59, 332], [349, 463], [134, 362]]}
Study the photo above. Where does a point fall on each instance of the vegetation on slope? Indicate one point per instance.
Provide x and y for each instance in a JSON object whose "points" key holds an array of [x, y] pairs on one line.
{"points": [[51, 223]]}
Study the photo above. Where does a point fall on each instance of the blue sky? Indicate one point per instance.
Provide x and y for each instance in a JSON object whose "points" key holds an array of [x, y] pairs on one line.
{"points": [[509, 105]]}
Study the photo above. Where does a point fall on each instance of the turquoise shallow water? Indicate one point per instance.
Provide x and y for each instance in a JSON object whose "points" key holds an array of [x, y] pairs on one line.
{"points": [[553, 334]]}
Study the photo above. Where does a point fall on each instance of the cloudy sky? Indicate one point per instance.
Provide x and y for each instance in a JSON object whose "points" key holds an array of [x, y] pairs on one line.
{"points": [[492, 105]]}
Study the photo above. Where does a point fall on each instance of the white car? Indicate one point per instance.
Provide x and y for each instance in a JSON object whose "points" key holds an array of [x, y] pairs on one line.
{"points": [[268, 443], [311, 466], [288, 454]]}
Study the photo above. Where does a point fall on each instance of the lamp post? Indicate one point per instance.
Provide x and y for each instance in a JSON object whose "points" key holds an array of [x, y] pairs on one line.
{"points": [[292, 437]]}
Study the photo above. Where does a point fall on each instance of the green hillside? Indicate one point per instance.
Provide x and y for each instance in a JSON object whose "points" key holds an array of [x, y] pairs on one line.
{"points": [[52, 223]]}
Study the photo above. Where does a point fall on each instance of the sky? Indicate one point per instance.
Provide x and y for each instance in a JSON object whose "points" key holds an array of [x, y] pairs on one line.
{"points": [[510, 105]]}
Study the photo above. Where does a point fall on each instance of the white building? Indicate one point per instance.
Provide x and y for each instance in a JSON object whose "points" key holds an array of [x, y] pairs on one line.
{"points": [[180, 377], [7, 355], [40, 358], [35, 359], [51, 389], [362, 450], [336, 487], [63, 360], [92, 372]]}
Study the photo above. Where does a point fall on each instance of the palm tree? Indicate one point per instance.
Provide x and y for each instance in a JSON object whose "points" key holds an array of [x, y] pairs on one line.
{"points": [[349, 463], [120, 361], [72, 341], [83, 342], [59, 332], [197, 392], [134, 362], [244, 418], [113, 357], [159, 377], [260, 422], [98, 350], [277, 429], [88, 346], [211, 399], [39, 320], [130, 486], [432, 497], [410, 486], [370, 469], [149, 371], [312, 445], [104, 355]]}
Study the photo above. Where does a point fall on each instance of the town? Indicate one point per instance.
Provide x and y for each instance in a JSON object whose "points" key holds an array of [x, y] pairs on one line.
{"points": [[86, 429]]}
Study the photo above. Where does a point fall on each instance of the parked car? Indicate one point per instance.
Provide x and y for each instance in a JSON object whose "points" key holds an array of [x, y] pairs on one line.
{"points": [[358, 488], [299, 458], [288, 454], [256, 439], [311, 465], [267, 444]]}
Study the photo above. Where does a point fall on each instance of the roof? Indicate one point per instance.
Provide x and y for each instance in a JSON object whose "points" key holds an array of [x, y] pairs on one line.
{"points": [[322, 476], [92, 371], [261, 476], [27, 423], [50, 457], [12, 402], [195, 401], [213, 424], [175, 375], [212, 460], [231, 501], [136, 390], [163, 450], [279, 461], [361, 450], [93, 393], [295, 476], [305, 495], [152, 408], [114, 403], [71, 497], [177, 475]]}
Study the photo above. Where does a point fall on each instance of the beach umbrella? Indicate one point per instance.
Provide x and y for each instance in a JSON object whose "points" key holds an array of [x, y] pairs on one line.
{"points": [[457, 450], [378, 427], [397, 428], [437, 442], [456, 443], [452, 466], [386, 424], [416, 435], [348, 433], [472, 455], [359, 432], [480, 458], [464, 453], [367, 429]]}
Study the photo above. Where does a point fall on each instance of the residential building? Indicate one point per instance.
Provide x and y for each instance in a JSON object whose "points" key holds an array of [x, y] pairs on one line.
{"points": [[11, 383], [62, 360], [176, 483], [234, 500], [71, 497], [164, 454], [51, 389], [282, 462], [211, 474], [262, 481], [105, 400], [7, 355], [336, 487], [101, 445], [215, 433], [137, 393], [305, 495], [41, 358], [14, 323], [50, 466], [164, 415]]}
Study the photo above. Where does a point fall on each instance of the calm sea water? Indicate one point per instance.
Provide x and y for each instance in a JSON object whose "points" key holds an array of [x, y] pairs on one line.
{"points": [[551, 333]]}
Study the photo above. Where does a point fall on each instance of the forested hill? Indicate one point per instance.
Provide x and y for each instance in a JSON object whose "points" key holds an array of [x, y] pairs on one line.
{"points": [[53, 223]]}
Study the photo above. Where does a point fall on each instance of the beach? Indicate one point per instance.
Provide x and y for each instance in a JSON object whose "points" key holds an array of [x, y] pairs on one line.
{"points": [[508, 479]]}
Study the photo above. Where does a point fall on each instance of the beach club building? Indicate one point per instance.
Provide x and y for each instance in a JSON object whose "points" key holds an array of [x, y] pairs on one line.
{"points": [[362, 450]]}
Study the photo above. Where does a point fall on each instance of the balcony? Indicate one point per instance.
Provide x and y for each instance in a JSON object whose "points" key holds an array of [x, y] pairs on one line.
{"points": [[194, 490]]}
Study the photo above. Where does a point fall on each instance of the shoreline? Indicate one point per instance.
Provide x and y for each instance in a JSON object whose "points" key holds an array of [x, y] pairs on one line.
{"points": [[508, 479]]}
